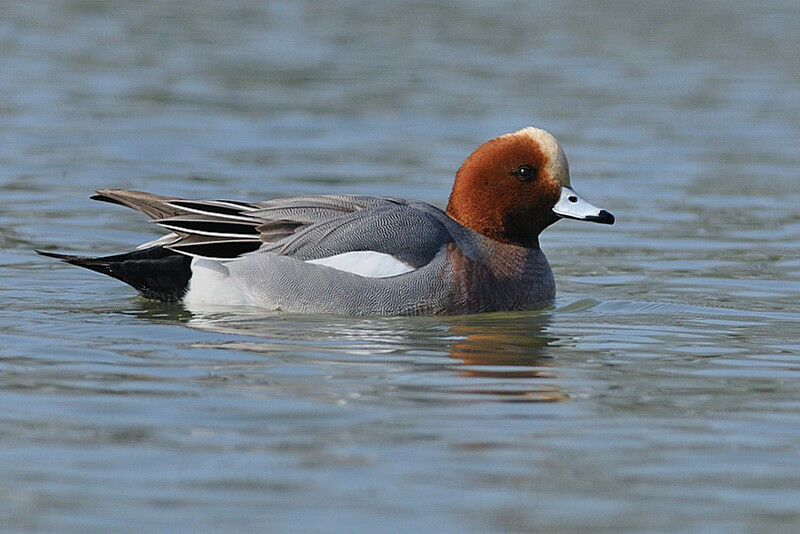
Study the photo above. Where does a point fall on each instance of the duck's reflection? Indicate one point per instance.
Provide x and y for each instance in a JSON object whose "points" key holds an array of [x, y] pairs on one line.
{"points": [[510, 347], [507, 353]]}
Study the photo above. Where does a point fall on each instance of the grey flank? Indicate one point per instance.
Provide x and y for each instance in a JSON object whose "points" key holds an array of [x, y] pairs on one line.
{"points": [[457, 270]]}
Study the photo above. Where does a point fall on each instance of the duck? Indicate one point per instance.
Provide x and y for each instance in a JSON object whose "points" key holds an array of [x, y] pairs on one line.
{"points": [[364, 255]]}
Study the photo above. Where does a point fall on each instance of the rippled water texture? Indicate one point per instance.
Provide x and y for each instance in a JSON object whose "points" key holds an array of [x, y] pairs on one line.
{"points": [[660, 392]]}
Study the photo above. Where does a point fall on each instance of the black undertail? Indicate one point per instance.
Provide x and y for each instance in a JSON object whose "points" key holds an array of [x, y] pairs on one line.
{"points": [[156, 272]]}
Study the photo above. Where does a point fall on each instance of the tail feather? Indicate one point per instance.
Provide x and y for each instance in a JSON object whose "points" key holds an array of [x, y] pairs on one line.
{"points": [[161, 269], [154, 206], [157, 273]]}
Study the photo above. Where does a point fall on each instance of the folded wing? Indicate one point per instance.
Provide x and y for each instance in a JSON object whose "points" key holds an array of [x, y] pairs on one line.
{"points": [[310, 228]]}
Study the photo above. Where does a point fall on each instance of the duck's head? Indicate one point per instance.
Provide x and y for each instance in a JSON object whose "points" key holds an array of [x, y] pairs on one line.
{"points": [[516, 185]]}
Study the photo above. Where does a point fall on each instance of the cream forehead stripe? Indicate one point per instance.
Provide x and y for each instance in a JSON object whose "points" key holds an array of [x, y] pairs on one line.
{"points": [[557, 166]]}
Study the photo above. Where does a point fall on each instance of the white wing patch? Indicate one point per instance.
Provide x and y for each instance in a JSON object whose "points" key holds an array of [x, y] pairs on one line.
{"points": [[366, 263]]}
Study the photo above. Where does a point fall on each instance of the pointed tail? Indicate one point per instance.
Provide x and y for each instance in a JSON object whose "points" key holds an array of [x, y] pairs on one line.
{"points": [[156, 272]]}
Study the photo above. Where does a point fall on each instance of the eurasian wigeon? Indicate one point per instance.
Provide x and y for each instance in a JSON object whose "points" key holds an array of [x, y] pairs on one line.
{"points": [[363, 255]]}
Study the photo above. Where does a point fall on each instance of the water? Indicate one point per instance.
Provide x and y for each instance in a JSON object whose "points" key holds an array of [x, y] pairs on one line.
{"points": [[660, 391]]}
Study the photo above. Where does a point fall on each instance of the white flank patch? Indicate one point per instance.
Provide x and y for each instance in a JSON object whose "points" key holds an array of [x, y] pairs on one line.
{"points": [[211, 284], [366, 263]]}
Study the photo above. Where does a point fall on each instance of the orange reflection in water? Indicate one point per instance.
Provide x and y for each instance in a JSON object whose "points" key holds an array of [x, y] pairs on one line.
{"points": [[506, 346]]}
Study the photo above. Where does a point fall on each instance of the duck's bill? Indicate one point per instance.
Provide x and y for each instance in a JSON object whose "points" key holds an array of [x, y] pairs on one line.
{"points": [[572, 206]]}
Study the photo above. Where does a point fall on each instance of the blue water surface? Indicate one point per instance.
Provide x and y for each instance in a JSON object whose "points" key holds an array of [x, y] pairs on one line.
{"points": [[660, 392]]}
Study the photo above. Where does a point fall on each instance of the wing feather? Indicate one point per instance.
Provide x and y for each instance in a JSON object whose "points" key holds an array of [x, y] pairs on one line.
{"points": [[307, 227], [210, 226]]}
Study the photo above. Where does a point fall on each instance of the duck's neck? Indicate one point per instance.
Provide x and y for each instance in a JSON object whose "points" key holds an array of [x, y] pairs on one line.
{"points": [[503, 230]]}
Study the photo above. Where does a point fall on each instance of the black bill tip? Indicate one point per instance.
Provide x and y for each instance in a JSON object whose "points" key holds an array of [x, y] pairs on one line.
{"points": [[604, 217]]}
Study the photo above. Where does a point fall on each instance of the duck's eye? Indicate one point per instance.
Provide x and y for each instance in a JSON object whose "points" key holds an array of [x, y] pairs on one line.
{"points": [[524, 173]]}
